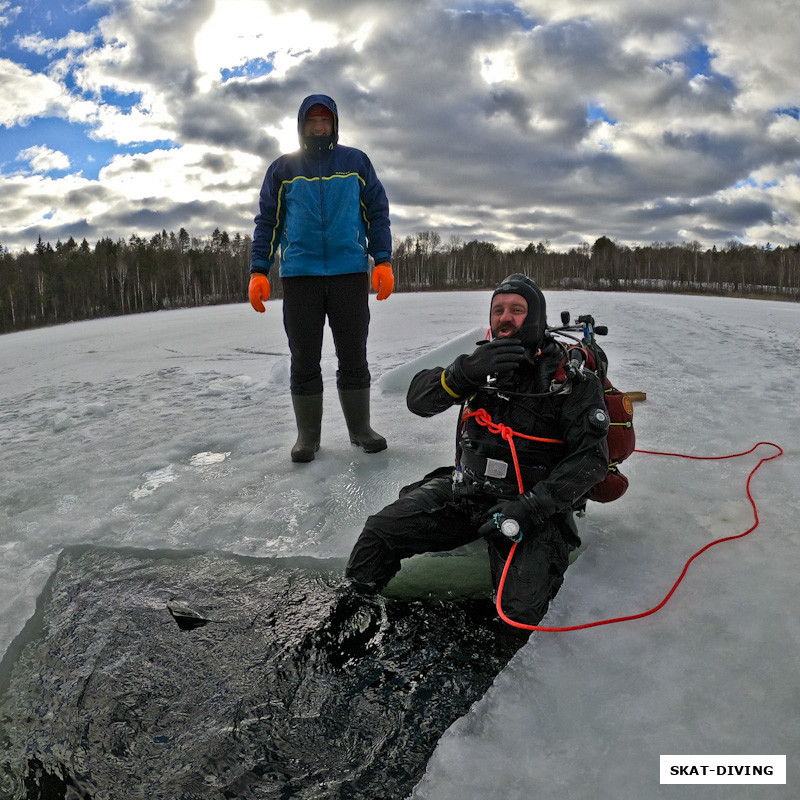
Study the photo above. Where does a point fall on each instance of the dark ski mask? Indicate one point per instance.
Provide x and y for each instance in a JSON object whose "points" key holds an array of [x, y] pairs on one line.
{"points": [[317, 143], [532, 331]]}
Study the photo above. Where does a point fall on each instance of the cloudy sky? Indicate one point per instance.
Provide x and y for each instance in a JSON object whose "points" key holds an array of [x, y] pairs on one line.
{"points": [[511, 122]]}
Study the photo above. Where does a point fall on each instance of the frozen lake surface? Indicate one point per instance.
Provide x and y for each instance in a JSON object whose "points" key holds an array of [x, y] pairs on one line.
{"points": [[172, 431]]}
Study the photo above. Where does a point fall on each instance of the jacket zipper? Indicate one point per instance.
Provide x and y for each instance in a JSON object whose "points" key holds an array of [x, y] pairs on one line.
{"points": [[323, 219]]}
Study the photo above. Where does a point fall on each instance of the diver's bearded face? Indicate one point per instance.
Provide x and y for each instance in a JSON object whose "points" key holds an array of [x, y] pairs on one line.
{"points": [[507, 314]]}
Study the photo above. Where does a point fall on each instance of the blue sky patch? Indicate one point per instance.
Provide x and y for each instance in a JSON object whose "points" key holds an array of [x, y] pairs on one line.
{"points": [[697, 59], [595, 112], [46, 19], [24, 58], [253, 68], [56, 18], [87, 155], [122, 100], [506, 9]]}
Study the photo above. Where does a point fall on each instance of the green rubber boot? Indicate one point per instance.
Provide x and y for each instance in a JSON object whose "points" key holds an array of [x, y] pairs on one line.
{"points": [[355, 405], [308, 415]]}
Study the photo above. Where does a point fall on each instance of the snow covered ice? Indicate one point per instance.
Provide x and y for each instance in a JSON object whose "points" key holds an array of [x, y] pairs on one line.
{"points": [[173, 430]]}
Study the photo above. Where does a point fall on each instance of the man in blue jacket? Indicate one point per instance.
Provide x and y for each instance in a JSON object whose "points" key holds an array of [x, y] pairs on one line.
{"points": [[325, 209]]}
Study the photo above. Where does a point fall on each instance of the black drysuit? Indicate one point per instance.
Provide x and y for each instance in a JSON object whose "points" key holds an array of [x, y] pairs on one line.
{"points": [[438, 514]]}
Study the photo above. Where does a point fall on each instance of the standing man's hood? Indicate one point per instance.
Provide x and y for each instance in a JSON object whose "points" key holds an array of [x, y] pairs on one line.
{"points": [[312, 100]]}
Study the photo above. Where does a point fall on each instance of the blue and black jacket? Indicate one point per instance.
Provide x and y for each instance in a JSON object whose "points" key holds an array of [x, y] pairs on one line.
{"points": [[323, 205]]}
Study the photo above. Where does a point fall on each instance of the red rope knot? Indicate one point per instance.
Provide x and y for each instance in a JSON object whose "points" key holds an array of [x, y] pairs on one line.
{"points": [[505, 432], [484, 418]]}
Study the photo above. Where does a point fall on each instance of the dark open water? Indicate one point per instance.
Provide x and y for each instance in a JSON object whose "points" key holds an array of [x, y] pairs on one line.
{"points": [[288, 686]]}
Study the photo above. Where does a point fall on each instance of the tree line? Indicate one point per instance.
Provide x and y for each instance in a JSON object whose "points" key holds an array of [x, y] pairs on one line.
{"points": [[71, 281], [423, 263]]}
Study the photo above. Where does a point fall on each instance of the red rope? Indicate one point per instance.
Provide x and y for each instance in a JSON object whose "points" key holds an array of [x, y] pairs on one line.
{"points": [[686, 566], [483, 417]]}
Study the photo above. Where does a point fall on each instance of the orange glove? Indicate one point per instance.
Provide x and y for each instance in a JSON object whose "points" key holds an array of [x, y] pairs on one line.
{"points": [[258, 291], [383, 280]]}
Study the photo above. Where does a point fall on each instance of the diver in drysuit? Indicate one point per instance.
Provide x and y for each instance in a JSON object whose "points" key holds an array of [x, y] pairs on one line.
{"points": [[559, 434]]}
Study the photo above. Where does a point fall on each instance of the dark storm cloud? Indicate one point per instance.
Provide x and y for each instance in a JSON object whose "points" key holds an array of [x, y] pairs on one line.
{"points": [[80, 198], [154, 215], [159, 43], [731, 214], [79, 229], [215, 163], [209, 123]]}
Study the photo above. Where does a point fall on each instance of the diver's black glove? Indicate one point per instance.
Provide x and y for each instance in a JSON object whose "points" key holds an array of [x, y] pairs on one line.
{"points": [[468, 372], [523, 509]]}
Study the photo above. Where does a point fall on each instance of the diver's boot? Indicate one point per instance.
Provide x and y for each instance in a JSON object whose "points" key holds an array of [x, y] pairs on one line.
{"points": [[308, 415], [355, 405]]}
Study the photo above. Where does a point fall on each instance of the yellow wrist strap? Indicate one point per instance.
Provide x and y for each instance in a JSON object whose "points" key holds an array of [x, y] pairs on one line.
{"points": [[447, 388]]}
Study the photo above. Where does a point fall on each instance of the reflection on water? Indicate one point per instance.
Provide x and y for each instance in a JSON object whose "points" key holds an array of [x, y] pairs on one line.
{"points": [[286, 685]]}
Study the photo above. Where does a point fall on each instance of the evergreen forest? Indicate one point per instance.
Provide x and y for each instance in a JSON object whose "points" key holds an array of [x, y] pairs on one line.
{"points": [[72, 281]]}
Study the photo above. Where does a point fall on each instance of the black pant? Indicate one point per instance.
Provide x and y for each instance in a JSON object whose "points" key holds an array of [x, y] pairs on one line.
{"points": [[344, 300], [428, 519]]}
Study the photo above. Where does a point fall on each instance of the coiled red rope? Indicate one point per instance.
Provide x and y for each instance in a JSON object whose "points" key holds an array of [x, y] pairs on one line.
{"points": [[483, 418], [669, 594]]}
